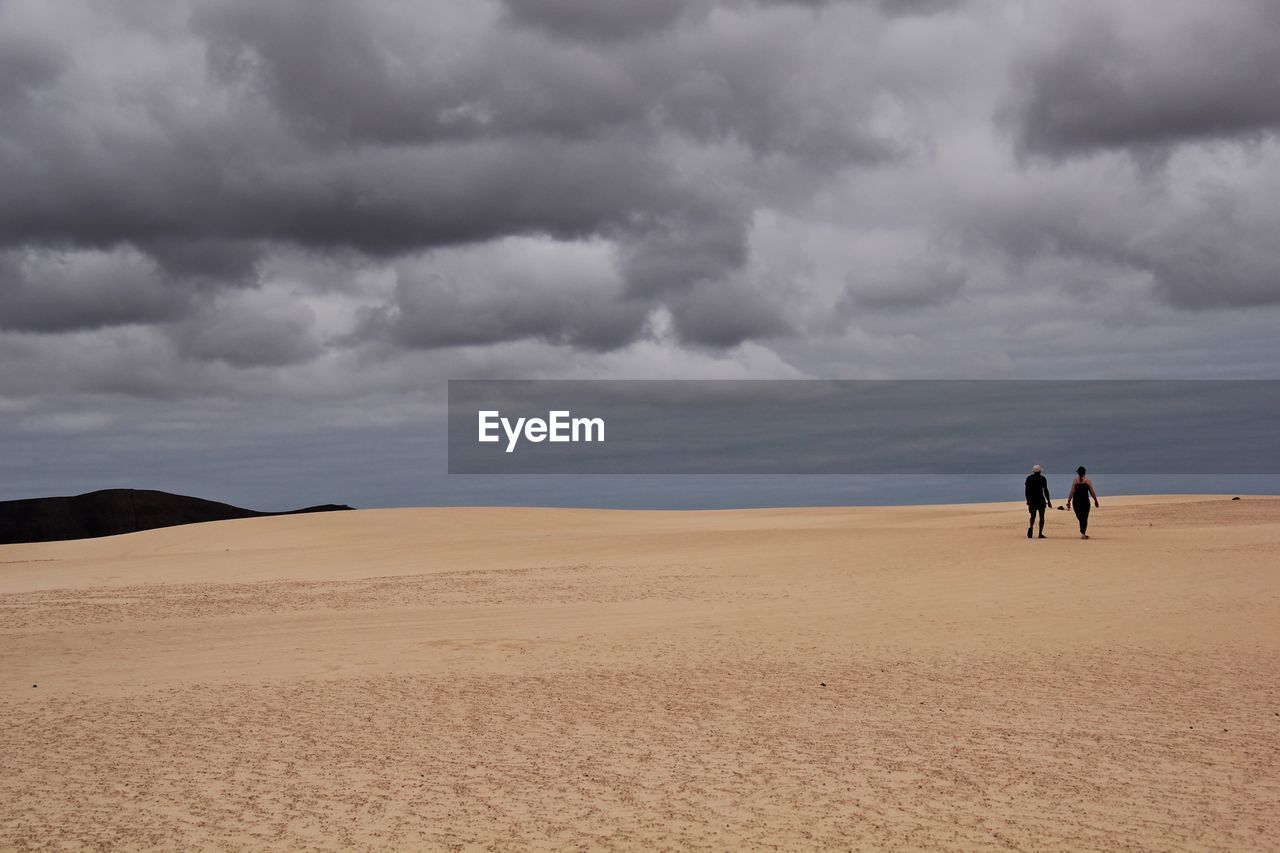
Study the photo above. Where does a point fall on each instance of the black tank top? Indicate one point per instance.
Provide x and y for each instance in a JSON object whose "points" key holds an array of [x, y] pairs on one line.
{"points": [[1080, 493]]}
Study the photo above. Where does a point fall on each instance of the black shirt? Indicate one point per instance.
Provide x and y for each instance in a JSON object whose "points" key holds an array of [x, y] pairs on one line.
{"points": [[1038, 490]]}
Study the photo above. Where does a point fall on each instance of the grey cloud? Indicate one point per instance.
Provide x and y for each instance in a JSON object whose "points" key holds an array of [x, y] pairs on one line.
{"points": [[684, 248], [330, 126], [337, 71], [61, 291], [589, 19], [26, 67], [254, 333], [1178, 72], [1223, 257], [128, 361], [346, 75], [1203, 243], [561, 293], [916, 283], [432, 312], [213, 262], [740, 98], [260, 201], [889, 7], [379, 202], [727, 313], [918, 7], [238, 173]]}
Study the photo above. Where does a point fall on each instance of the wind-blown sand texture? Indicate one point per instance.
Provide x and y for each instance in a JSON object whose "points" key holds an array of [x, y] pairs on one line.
{"points": [[531, 678]]}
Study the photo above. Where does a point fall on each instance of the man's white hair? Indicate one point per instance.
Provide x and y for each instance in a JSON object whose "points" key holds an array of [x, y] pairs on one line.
{"points": [[1035, 469]]}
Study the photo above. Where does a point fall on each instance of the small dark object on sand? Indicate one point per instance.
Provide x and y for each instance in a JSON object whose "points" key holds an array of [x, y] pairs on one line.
{"points": [[1236, 498], [824, 684], [1062, 507], [34, 685]]}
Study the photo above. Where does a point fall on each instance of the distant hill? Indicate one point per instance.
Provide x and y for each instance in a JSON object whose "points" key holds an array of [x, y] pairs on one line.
{"points": [[113, 511]]}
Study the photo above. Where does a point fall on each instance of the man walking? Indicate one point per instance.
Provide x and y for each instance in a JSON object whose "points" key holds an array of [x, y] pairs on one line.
{"points": [[1037, 499]]}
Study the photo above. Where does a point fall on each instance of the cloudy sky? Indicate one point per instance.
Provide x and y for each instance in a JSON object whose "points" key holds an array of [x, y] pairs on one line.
{"points": [[242, 244]]}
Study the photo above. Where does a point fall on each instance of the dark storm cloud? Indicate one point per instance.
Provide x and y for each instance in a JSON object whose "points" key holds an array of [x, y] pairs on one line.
{"points": [[332, 137], [206, 261], [1179, 72], [377, 201], [332, 126], [227, 191], [226, 222]]}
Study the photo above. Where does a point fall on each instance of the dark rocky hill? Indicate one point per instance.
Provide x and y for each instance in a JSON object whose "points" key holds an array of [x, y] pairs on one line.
{"points": [[113, 511]]}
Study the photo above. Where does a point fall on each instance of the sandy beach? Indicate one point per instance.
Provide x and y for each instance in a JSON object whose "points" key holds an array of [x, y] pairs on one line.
{"points": [[863, 678]]}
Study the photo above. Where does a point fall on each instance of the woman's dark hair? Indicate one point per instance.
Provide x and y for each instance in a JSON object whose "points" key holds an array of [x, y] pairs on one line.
{"points": [[1080, 470]]}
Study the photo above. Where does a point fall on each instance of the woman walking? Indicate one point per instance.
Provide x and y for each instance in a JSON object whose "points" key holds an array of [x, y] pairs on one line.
{"points": [[1081, 491]]}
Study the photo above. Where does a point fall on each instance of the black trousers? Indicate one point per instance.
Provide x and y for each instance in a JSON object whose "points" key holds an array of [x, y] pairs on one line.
{"points": [[1082, 515], [1036, 509]]}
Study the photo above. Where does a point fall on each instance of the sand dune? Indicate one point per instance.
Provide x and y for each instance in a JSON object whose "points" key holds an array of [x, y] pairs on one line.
{"points": [[110, 512], [531, 678]]}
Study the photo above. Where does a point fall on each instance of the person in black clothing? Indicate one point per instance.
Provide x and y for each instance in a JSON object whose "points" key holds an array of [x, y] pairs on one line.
{"points": [[1037, 499], [1081, 491]]}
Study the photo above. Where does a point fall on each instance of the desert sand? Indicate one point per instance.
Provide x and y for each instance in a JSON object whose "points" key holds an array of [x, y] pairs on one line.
{"points": [[865, 678]]}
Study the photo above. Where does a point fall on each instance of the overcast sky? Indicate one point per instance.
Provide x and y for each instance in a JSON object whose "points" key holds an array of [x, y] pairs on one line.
{"points": [[232, 231]]}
